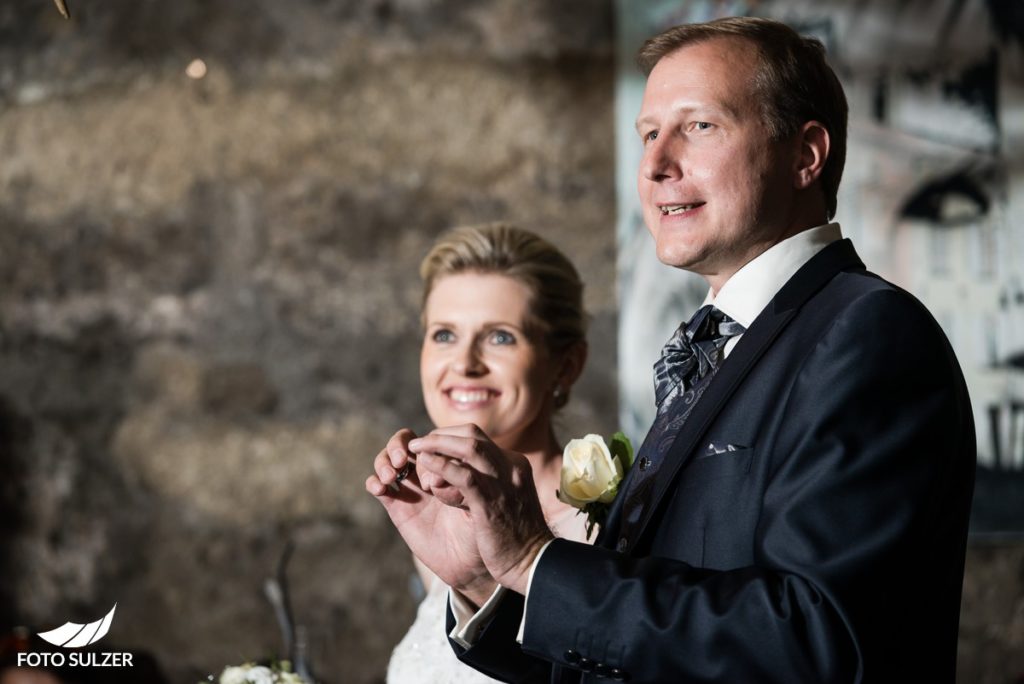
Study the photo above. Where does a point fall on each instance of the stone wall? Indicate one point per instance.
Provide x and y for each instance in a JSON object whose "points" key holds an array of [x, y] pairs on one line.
{"points": [[991, 648], [208, 300], [209, 292]]}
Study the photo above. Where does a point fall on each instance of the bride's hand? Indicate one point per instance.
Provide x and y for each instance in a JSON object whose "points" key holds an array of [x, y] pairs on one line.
{"points": [[437, 485], [436, 532]]}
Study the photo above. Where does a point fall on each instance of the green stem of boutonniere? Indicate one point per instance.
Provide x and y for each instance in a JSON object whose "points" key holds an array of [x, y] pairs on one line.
{"points": [[596, 512]]}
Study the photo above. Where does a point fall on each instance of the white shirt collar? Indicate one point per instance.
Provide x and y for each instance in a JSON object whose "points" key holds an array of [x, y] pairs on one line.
{"points": [[750, 289]]}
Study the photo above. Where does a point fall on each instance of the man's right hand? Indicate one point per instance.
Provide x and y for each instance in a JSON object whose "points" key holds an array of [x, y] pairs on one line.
{"points": [[496, 490], [427, 515]]}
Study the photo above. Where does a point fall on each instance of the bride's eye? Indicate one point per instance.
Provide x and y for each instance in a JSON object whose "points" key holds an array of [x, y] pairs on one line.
{"points": [[442, 336], [502, 337]]}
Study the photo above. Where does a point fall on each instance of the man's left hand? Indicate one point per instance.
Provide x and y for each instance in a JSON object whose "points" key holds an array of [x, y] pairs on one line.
{"points": [[497, 489]]}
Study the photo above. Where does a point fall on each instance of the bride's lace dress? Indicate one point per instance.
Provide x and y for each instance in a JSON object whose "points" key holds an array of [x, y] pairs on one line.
{"points": [[424, 655]]}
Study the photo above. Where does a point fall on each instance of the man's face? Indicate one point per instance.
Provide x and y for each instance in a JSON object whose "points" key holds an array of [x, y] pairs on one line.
{"points": [[715, 190]]}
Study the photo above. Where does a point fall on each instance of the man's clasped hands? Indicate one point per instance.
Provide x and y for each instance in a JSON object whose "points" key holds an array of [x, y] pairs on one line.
{"points": [[467, 508]]}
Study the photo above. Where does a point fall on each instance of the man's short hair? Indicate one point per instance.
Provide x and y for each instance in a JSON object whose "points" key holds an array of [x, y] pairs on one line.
{"points": [[794, 82]]}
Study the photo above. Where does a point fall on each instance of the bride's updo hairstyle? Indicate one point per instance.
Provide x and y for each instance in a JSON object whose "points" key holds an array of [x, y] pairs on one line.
{"points": [[556, 307]]}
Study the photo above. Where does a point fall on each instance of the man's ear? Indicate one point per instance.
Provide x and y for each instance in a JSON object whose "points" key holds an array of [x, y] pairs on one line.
{"points": [[814, 145]]}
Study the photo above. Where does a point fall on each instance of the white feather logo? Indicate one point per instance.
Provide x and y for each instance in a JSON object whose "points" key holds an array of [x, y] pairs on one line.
{"points": [[74, 635]]}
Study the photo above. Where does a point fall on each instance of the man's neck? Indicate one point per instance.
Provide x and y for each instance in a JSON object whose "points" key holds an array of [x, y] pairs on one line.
{"points": [[718, 280], [750, 288]]}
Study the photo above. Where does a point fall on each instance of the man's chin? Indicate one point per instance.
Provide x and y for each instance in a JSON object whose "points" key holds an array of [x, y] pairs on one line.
{"points": [[676, 258]]}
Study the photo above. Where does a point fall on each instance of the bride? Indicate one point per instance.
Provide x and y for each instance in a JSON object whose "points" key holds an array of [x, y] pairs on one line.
{"points": [[504, 341]]}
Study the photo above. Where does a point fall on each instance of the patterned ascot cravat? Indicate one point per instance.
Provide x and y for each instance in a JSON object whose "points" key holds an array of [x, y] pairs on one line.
{"points": [[694, 351], [688, 362]]}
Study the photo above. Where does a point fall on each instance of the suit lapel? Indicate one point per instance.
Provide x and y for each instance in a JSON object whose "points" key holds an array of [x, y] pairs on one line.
{"points": [[825, 265]]}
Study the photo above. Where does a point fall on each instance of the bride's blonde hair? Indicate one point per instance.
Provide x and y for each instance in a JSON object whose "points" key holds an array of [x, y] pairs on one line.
{"points": [[556, 308]]}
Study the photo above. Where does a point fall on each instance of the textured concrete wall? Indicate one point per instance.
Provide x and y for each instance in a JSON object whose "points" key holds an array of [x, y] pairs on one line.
{"points": [[208, 300], [209, 292], [991, 649]]}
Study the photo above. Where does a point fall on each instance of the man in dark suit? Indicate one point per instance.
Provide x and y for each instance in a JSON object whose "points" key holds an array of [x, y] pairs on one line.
{"points": [[798, 512]]}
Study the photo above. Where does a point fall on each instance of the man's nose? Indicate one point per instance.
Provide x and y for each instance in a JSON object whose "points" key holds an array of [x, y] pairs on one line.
{"points": [[661, 160]]}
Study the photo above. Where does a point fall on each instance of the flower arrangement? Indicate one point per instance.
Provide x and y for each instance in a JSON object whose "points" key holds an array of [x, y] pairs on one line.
{"points": [[274, 671], [277, 672], [591, 472]]}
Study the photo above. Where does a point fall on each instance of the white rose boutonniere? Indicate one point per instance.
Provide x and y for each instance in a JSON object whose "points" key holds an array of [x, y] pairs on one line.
{"points": [[591, 472]]}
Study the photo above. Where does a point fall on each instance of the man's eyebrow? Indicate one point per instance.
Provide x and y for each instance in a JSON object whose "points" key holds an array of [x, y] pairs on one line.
{"points": [[640, 121], [719, 109]]}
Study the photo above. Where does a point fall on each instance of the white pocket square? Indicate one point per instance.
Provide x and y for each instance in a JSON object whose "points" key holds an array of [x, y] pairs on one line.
{"points": [[721, 448]]}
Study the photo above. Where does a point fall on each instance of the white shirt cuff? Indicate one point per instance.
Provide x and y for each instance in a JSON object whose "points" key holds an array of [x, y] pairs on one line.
{"points": [[469, 622], [529, 582]]}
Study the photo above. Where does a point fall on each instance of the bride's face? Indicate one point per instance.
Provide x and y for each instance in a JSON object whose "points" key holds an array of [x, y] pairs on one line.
{"points": [[481, 363]]}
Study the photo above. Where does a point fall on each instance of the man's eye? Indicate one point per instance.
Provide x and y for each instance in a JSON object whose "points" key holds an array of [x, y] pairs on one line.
{"points": [[502, 337], [442, 336], [704, 126], [650, 137]]}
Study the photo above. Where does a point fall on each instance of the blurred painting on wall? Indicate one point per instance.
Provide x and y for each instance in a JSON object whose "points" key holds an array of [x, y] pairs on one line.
{"points": [[932, 196]]}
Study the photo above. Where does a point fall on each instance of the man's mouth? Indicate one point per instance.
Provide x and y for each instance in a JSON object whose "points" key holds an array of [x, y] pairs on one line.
{"points": [[676, 209]]}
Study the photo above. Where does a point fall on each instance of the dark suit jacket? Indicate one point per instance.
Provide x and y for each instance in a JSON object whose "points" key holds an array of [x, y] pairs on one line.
{"points": [[828, 547]]}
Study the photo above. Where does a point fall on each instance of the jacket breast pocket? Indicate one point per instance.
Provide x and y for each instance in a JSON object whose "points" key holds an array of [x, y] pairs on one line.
{"points": [[714, 510], [707, 468]]}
